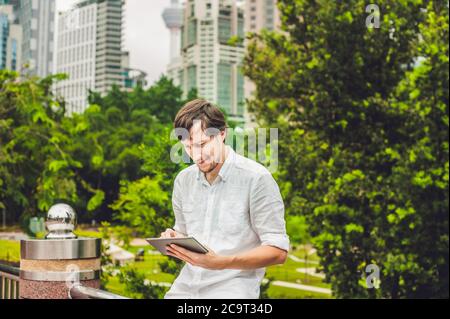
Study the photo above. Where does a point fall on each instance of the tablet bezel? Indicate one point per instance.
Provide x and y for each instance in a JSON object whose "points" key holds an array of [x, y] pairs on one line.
{"points": [[193, 244]]}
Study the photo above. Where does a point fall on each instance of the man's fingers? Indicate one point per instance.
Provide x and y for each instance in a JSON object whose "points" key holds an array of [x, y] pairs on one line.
{"points": [[183, 251], [171, 233], [173, 255], [168, 233], [184, 256], [179, 256], [178, 253]]}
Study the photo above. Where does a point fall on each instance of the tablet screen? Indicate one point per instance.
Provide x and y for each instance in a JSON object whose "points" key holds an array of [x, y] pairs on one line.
{"points": [[189, 243]]}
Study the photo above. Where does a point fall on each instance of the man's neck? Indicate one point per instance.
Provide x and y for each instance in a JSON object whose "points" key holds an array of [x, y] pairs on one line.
{"points": [[211, 176]]}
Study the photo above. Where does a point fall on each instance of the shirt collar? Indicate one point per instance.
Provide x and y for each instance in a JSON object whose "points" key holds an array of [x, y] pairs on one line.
{"points": [[228, 163]]}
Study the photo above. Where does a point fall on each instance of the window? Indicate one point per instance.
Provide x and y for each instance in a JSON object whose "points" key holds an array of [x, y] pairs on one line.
{"points": [[224, 83], [192, 32], [191, 78], [224, 33], [240, 93]]}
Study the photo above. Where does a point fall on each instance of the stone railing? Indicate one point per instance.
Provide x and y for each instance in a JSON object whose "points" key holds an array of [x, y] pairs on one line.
{"points": [[61, 266], [9, 282]]}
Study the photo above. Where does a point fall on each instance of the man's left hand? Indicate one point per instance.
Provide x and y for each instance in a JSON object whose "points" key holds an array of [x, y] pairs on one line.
{"points": [[210, 260]]}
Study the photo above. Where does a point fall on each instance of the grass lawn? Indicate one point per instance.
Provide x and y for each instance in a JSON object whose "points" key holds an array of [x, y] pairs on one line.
{"points": [[301, 253], [88, 233], [10, 251], [276, 292], [288, 272], [285, 272]]}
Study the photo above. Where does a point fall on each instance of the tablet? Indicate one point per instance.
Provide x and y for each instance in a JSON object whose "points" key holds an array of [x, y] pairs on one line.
{"points": [[189, 243]]}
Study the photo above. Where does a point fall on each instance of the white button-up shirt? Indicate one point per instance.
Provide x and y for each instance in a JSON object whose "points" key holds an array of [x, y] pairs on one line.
{"points": [[241, 210]]}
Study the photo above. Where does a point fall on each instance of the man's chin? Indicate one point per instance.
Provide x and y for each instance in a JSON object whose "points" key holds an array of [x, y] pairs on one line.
{"points": [[206, 168]]}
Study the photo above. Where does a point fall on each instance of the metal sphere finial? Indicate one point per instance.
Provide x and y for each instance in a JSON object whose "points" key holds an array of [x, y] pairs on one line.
{"points": [[61, 222]]}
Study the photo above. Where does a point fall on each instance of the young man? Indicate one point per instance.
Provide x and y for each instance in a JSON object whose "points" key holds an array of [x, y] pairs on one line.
{"points": [[229, 203]]}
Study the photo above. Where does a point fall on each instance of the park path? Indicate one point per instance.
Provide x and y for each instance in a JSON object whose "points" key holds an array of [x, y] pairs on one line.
{"points": [[275, 283], [309, 271], [300, 260], [301, 287]]}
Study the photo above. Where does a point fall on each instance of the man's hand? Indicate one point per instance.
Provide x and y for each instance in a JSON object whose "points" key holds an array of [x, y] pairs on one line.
{"points": [[170, 233], [210, 260]]}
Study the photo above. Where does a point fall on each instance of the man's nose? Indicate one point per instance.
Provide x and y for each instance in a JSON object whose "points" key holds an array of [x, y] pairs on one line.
{"points": [[196, 155]]}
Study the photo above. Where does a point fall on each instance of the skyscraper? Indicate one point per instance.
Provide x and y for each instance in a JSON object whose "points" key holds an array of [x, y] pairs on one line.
{"points": [[209, 63], [132, 77], [37, 19], [89, 50], [173, 17], [259, 14], [10, 38]]}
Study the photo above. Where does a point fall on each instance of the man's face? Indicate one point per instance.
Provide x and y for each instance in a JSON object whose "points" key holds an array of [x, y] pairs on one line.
{"points": [[204, 149]]}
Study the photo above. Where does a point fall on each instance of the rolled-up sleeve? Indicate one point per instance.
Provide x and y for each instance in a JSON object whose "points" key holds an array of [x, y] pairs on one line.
{"points": [[267, 212], [180, 224]]}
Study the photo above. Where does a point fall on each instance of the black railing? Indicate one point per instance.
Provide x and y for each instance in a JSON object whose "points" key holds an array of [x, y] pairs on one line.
{"points": [[9, 282], [9, 287], [81, 292]]}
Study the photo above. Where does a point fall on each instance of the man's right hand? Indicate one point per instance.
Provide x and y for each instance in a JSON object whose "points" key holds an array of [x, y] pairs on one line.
{"points": [[169, 233]]}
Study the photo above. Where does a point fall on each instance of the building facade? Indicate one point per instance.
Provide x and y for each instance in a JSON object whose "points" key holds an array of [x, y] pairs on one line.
{"points": [[37, 19], [132, 78], [208, 61], [89, 51], [259, 15], [10, 38]]}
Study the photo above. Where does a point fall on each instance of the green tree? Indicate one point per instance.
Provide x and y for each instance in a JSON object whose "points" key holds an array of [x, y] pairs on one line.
{"points": [[83, 159], [34, 166], [363, 119], [137, 286]]}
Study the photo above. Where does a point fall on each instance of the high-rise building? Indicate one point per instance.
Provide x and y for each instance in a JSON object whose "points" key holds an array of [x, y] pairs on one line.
{"points": [[173, 17], [89, 50], [259, 15], [109, 44], [132, 78], [209, 62], [37, 19], [10, 38]]}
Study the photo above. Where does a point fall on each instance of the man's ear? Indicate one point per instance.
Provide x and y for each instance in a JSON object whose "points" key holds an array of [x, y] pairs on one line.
{"points": [[223, 135]]}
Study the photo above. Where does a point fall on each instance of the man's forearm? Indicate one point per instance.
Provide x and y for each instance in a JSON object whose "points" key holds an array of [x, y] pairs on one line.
{"points": [[258, 257]]}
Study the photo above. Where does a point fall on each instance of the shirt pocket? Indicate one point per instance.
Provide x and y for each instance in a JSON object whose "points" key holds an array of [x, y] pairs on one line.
{"points": [[191, 219], [234, 217]]}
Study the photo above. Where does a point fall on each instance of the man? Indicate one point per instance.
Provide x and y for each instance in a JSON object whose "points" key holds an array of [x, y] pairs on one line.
{"points": [[229, 203]]}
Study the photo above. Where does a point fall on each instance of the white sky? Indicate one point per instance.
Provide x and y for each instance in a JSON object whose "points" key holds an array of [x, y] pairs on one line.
{"points": [[146, 36]]}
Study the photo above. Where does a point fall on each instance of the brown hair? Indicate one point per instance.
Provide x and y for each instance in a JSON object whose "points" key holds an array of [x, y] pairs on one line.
{"points": [[199, 109]]}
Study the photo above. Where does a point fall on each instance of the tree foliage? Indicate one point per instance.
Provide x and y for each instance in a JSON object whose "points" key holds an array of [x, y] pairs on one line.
{"points": [[363, 119], [110, 162]]}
